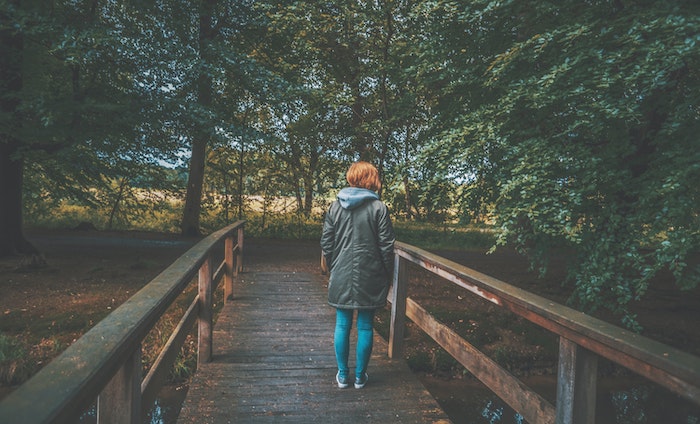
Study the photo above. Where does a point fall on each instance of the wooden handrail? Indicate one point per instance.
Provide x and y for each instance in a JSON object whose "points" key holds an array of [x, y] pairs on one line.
{"points": [[107, 359], [582, 339]]}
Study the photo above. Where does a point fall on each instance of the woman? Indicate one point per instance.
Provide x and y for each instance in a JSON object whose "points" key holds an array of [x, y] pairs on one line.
{"points": [[358, 246]]}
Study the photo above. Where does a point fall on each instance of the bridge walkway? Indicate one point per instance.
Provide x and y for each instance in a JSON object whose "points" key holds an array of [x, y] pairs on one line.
{"points": [[274, 361]]}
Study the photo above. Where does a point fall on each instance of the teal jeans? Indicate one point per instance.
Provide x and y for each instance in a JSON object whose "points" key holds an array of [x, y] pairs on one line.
{"points": [[365, 334]]}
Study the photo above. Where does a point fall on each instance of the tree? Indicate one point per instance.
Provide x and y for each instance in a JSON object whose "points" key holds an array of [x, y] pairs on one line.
{"points": [[583, 131], [12, 239], [67, 89], [228, 80], [201, 138], [306, 121]]}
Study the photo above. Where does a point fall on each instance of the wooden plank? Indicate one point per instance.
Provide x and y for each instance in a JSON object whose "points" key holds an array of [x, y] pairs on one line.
{"points": [[229, 264], [576, 384], [205, 319], [533, 407], [219, 275], [274, 359], [398, 296], [155, 378], [239, 253], [676, 370], [120, 401]]}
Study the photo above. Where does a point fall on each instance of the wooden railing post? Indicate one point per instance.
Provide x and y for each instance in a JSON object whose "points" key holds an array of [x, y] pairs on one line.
{"points": [[120, 400], [239, 252], [398, 307], [229, 269], [204, 322], [576, 384]]}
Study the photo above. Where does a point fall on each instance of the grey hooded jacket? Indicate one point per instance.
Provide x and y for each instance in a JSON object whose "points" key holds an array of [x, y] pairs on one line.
{"points": [[358, 245]]}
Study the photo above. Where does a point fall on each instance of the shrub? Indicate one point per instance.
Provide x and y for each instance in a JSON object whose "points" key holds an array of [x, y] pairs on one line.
{"points": [[12, 365], [432, 236]]}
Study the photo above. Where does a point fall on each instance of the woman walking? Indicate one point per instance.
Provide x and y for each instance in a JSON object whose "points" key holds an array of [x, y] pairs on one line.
{"points": [[358, 246]]}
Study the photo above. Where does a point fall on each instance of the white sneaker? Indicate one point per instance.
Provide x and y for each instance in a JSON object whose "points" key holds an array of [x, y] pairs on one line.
{"points": [[342, 381], [361, 381]]}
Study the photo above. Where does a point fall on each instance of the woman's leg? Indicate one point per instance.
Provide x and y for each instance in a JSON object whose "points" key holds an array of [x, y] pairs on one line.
{"points": [[341, 339], [365, 335]]}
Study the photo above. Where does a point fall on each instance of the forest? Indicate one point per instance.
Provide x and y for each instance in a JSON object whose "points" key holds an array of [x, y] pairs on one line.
{"points": [[561, 126]]}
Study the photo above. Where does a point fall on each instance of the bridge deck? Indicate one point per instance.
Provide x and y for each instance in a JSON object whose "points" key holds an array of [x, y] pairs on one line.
{"points": [[274, 361]]}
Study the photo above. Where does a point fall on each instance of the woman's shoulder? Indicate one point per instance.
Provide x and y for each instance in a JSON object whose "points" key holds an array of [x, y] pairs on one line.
{"points": [[380, 205]]}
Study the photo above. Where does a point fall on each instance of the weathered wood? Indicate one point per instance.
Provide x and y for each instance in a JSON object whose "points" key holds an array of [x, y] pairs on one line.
{"points": [[676, 370], [155, 378], [274, 361], [576, 384], [398, 296], [533, 407], [239, 253], [281, 339], [68, 385], [120, 400], [229, 268], [218, 276], [206, 318]]}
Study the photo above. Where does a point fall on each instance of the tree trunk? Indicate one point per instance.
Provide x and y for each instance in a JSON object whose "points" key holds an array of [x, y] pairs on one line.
{"points": [[117, 202], [12, 240], [362, 145], [308, 195], [297, 196], [195, 179], [407, 197], [241, 180], [309, 181]]}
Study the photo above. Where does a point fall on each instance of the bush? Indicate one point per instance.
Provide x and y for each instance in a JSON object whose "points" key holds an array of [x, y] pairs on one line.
{"points": [[284, 226], [432, 236], [12, 366]]}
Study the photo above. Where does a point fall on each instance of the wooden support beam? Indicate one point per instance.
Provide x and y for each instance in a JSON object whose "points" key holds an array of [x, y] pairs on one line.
{"points": [[239, 253], [120, 400], [205, 321], [398, 307], [576, 384], [229, 268]]}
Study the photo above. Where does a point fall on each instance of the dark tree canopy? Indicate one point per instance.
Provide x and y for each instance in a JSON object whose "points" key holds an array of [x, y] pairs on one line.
{"points": [[581, 136], [569, 125]]}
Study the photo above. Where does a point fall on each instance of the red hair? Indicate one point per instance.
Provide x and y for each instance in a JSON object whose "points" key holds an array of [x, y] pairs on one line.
{"points": [[364, 175]]}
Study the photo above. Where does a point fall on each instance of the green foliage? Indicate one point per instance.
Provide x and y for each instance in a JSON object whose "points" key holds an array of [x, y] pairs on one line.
{"points": [[284, 226], [430, 236], [152, 213], [571, 125], [421, 197], [9, 350], [13, 368], [584, 137]]}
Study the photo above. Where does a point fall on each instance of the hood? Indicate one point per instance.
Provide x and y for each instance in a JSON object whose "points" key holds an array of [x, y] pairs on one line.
{"points": [[352, 197]]}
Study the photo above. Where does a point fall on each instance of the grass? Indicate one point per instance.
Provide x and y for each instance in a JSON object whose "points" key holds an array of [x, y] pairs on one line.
{"points": [[282, 224], [432, 236], [12, 365]]}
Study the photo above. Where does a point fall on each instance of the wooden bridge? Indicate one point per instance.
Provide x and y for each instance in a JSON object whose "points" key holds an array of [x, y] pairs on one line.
{"points": [[274, 361], [270, 356]]}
